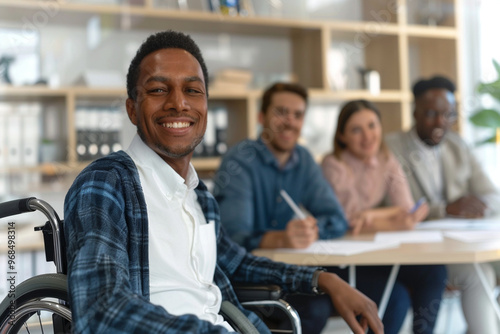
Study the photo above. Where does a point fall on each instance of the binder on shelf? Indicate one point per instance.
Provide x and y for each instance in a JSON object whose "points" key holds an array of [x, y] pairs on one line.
{"points": [[199, 149], [30, 115], [98, 131], [220, 116], [14, 138], [4, 183], [115, 135], [214, 143], [105, 120], [93, 133], [81, 128], [210, 135], [5, 109]]}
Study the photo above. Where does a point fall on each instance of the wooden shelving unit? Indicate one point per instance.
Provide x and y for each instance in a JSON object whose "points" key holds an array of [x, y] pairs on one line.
{"points": [[399, 51]]}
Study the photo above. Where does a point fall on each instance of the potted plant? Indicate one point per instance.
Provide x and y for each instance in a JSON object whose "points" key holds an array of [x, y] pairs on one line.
{"points": [[488, 117]]}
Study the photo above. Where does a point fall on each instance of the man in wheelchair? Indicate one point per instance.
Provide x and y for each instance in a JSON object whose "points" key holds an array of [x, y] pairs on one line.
{"points": [[146, 252]]}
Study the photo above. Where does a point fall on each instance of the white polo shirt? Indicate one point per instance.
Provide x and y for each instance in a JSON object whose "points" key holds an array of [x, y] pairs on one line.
{"points": [[182, 246]]}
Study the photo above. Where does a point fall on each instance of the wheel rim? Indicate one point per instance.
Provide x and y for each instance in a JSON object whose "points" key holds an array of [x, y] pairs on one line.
{"points": [[25, 311]]}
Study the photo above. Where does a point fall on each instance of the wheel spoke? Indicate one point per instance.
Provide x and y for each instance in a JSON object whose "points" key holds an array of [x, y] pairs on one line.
{"points": [[40, 321], [26, 326]]}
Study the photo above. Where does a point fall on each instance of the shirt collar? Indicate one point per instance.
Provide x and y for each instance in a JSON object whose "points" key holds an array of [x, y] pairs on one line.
{"points": [[270, 159], [149, 161], [420, 143]]}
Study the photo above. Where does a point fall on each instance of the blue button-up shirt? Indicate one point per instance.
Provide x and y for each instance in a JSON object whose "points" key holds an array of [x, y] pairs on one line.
{"points": [[247, 188]]}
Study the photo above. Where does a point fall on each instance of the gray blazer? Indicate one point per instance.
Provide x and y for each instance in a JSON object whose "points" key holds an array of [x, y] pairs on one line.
{"points": [[462, 173]]}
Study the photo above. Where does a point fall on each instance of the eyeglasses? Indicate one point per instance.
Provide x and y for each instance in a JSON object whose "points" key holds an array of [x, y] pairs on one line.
{"points": [[283, 112], [449, 116]]}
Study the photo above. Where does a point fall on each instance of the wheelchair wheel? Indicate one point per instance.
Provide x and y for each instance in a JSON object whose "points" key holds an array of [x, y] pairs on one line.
{"points": [[39, 305]]}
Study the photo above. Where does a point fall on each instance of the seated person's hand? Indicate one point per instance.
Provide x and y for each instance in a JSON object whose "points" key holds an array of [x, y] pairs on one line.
{"points": [[387, 219], [363, 221], [466, 207], [301, 233], [404, 220], [421, 213], [350, 303]]}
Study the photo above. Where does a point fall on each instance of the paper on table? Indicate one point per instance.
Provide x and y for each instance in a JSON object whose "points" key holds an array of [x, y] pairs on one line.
{"points": [[342, 247], [473, 236], [410, 236], [460, 224]]}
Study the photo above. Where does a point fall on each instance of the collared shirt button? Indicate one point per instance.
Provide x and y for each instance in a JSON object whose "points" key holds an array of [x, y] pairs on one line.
{"points": [[274, 223], [279, 199]]}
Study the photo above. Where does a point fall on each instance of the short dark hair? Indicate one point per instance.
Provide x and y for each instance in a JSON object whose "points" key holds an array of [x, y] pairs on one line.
{"points": [[436, 82], [281, 87], [162, 40]]}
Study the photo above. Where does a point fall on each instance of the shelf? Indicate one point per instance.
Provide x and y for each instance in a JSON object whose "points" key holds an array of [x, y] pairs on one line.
{"points": [[384, 96], [59, 168], [79, 13], [32, 91], [434, 32], [206, 164], [320, 53], [81, 91], [49, 169], [316, 94], [368, 27]]}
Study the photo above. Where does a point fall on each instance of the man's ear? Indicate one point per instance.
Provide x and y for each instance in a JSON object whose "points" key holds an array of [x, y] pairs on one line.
{"points": [[132, 113], [261, 118]]}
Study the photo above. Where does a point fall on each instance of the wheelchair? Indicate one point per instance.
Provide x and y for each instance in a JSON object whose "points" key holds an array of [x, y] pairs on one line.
{"points": [[40, 304]]}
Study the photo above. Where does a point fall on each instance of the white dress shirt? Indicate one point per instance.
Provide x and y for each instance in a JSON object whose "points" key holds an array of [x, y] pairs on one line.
{"points": [[182, 246], [431, 156]]}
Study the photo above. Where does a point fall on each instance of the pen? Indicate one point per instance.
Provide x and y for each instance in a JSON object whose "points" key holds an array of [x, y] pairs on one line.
{"points": [[418, 204], [292, 205]]}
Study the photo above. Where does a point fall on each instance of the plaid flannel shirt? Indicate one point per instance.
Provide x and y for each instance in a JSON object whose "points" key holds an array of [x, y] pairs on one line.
{"points": [[106, 230]]}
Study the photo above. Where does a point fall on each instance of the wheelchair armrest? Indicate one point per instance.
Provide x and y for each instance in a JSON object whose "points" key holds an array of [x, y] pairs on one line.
{"points": [[252, 292]]}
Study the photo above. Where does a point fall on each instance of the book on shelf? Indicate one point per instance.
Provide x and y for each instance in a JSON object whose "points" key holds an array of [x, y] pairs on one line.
{"points": [[225, 7], [231, 80], [234, 75]]}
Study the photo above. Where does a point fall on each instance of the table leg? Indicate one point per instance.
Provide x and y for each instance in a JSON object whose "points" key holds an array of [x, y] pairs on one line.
{"points": [[352, 275], [487, 288], [388, 290]]}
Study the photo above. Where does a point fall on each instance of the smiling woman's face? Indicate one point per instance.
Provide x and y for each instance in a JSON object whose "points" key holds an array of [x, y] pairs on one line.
{"points": [[363, 134]]}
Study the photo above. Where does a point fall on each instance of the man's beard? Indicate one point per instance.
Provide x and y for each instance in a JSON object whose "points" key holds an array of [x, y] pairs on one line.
{"points": [[268, 138], [178, 153]]}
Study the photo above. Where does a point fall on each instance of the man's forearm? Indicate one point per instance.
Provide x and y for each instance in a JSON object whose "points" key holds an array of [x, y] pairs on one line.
{"points": [[273, 239]]}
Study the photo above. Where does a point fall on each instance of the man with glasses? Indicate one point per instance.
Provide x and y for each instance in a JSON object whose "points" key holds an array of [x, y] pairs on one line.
{"points": [[442, 169], [254, 212]]}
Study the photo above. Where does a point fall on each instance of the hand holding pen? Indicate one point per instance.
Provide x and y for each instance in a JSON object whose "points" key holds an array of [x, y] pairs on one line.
{"points": [[300, 232]]}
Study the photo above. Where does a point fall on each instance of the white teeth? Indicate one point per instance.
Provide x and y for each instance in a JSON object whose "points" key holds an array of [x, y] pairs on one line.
{"points": [[176, 125]]}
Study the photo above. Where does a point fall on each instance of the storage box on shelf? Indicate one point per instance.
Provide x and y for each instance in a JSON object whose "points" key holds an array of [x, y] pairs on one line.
{"points": [[393, 38]]}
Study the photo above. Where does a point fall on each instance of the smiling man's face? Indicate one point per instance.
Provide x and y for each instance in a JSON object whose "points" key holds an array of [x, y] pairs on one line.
{"points": [[434, 114], [170, 111]]}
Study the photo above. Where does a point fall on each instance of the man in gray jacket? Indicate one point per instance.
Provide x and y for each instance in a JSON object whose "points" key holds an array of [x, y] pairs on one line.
{"points": [[442, 169]]}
